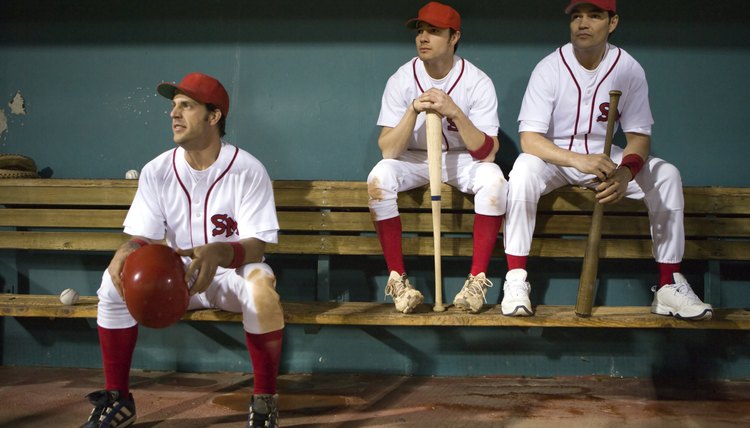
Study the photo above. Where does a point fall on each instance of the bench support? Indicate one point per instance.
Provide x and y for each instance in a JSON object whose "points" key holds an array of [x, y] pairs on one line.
{"points": [[323, 283], [712, 284]]}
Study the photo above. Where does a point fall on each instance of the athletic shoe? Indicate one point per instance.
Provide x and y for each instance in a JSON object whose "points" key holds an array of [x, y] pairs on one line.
{"points": [[264, 411], [404, 295], [679, 301], [110, 410], [516, 290], [472, 296]]}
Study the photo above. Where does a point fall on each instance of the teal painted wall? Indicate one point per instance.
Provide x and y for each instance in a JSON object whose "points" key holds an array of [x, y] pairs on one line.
{"points": [[305, 79]]}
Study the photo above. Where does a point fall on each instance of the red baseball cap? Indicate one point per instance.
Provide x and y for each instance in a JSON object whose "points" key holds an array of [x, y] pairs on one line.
{"points": [[200, 87], [608, 5], [438, 15]]}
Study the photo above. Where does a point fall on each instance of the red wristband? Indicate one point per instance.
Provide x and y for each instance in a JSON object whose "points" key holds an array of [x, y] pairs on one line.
{"points": [[633, 162], [139, 242], [484, 151], [239, 255]]}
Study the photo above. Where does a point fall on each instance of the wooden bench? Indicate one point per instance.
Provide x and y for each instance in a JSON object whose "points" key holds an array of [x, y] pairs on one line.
{"points": [[330, 218]]}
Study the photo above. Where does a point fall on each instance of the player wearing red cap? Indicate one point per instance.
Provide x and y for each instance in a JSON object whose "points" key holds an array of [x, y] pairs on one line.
{"points": [[562, 126], [214, 203], [439, 80]]}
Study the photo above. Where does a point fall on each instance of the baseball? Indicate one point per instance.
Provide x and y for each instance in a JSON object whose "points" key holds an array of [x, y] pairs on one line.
{"points": [[69, 297], [132, 174]]}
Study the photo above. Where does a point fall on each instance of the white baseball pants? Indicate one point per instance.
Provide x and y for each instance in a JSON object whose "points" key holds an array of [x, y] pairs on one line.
{"points": [[411, 170], [250, 290], [659, 185]]}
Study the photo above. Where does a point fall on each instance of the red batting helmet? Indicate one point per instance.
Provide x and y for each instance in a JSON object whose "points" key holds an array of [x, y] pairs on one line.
{"points": [[153, 282]]}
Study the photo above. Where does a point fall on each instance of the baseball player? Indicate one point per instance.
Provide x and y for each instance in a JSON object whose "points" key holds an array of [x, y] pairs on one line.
{"points": [[214, 203], [438, 80], [562, 126]]}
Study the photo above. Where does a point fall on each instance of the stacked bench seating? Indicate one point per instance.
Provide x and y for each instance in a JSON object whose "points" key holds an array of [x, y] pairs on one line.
{"points": [[330, 218]]}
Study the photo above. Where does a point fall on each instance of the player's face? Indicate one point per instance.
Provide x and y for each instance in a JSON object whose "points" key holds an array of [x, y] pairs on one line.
{"points": [[435, 43], [590, 27], [192, 123]]}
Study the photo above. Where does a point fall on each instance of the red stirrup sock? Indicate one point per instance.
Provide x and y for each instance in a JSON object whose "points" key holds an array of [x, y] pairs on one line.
{"points": [[117, 354], [486, 229], [666, 271], [265, 354], [516, 262], [389, 233]]}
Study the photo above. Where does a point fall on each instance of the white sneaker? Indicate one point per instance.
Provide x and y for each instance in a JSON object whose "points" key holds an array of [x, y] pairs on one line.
{"points": [[516, 290], [404, 295], [679, 301], [472, 296]]}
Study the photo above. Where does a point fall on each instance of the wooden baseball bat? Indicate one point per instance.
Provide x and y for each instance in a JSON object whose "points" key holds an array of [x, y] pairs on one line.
{"points": [[434, 128], [587, 283]]}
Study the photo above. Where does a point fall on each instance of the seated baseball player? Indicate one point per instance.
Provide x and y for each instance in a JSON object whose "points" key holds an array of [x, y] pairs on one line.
{"points": [[214, 203], [562, 126], [438, 80]]}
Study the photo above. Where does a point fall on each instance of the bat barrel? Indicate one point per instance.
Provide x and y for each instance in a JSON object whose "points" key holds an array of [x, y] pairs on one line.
{"points": [[587, 284]]}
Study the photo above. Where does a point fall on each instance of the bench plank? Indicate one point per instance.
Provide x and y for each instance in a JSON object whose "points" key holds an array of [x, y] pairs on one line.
{"points": [[412, 246], [60, 217], [698, 200], [316, 221], [67, 192], [384, 314], [69, 241], [463, 223]]}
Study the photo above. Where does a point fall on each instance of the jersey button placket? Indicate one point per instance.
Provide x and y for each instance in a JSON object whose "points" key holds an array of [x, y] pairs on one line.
{"points": [[197, 212]]}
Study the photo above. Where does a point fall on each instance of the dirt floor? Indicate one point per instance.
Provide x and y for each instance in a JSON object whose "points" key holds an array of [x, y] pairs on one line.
{"points": [[53, 397]]}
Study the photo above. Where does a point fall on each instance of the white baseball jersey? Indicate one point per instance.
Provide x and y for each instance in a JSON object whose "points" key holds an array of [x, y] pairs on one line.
{"points": [[468, 87], [569, 104], [231, 200]]}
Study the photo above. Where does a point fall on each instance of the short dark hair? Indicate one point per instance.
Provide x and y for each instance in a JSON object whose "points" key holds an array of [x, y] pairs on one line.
{"points": [[450, 34], [222, 121], [611, 15]]}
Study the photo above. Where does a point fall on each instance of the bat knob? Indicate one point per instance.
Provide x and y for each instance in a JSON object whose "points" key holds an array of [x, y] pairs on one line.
{"points": [[438, 308]]}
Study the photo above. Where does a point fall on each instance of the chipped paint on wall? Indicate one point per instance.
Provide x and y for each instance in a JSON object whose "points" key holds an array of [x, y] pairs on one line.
{"points": [[17, 105], [3, 122]]}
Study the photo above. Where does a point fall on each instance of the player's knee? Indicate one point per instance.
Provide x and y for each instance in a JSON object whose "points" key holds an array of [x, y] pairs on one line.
{"points": [[382, 191], [670, 173], [491, 198], [525, 177], [111, 309], [107, 292], [662, 185], [525, 168], [374, 188], [493, 205], [262, 284], [381, 182]]}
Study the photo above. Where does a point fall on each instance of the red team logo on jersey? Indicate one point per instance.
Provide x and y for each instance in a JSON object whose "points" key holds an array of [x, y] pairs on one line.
{"points": [[452, 126], [223, 224], [604, 110]]}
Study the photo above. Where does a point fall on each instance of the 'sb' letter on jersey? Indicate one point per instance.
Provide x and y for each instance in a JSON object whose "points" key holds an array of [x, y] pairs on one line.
{"points": [[223, 224], [604, 110]]}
